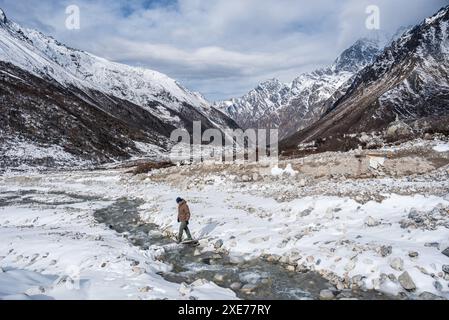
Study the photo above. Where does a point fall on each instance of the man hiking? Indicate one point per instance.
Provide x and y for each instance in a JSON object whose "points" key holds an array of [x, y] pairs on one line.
{"points": [[183, 218]]}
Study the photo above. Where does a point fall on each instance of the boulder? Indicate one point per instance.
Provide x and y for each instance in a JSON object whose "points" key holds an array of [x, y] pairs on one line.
{"points": [[385, 251], [398, 129], [445, 268], [236, 286], [326, 295], [218, 244], [406, 281], [219, 277], [446, 252], [248, 288], [397, 264]]}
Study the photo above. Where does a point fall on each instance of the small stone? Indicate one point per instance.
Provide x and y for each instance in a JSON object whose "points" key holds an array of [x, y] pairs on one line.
{"points": [[291, 268], [385, 251], [301, 268], [248, 288], [236, 286], [350, 266], [326, 295], [283, 260], [185, 289], [103, 264], [446, 252], [437, 285], [392, 278], [406, 281], [273, 258], [35, 291], [218, 244], [371, 222], [433, 245], [445, 268], [310, 259], [145, 289], [413, 254], [219, 277], [1, 270], [138, 270], [397, 264]]}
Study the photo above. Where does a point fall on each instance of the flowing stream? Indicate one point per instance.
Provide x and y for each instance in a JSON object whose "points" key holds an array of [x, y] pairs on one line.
{"points": [[263, 280]]}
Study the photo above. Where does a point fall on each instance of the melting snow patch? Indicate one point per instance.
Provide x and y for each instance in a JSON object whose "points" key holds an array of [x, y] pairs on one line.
{"points": [[442, 147], [276, 171]]}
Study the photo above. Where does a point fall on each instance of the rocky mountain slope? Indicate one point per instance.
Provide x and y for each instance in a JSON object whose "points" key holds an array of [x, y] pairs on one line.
{"points": [[126, 111], [294, 106], [404, 93]]}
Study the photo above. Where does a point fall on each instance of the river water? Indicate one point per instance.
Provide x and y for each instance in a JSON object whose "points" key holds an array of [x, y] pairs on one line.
{"points": [[263, 280]]}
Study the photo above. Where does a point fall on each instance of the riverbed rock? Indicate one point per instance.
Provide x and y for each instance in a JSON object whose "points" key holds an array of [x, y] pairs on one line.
{"points": [[145, 289], [371, 222], [433, 245], [301, 268], [413, 254], [199, 283], [236, 286], [138, 270], [429, 296], [273, 258], [397, 264], [34, 291], [386, 251], [437, 285], [350, 266], [446, 252], [185, 289], [218, 244], [248, 288], [326, 295], [236, 260], [310, 259], [291, 268], [219, 277], [406, 281], [445, 268]]}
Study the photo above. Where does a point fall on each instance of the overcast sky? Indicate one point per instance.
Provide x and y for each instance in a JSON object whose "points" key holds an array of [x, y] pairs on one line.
{"points": [[221, 48]]}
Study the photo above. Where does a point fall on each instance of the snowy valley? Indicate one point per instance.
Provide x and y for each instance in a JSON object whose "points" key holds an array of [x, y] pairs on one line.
{"points": [[357, 207]]}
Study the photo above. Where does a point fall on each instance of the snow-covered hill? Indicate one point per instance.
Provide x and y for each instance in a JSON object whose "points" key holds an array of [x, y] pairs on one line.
{"points": [[407, 87], [293, 106], [140, 99]]}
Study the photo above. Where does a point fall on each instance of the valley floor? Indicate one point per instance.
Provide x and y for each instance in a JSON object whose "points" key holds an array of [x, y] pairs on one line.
{"points": [[360, 220]]}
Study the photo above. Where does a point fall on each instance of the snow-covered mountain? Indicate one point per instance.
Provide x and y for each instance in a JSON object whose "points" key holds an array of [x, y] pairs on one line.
{"points": [[291, 107], [406, 86], [100, 82]]}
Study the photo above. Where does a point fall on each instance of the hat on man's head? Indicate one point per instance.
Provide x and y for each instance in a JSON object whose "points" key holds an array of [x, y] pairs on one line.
{"points": [[178, 200]]}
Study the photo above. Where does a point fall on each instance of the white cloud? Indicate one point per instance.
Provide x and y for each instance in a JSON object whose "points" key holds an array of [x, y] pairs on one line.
{"points": [[222, 48]]}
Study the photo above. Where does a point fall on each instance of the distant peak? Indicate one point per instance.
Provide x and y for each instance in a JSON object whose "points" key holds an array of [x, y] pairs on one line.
{"points": [[2, 16], [443, 13], [361, 53]]}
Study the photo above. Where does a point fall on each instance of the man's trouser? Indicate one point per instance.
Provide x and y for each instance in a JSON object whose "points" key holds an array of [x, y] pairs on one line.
{"points": [[183, 227]]}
